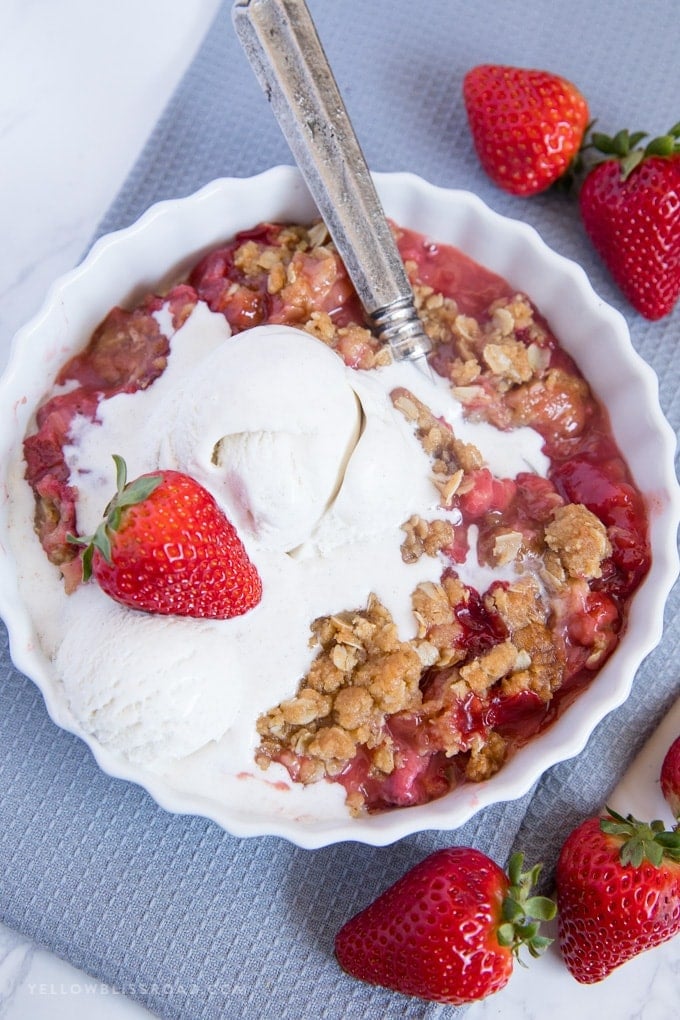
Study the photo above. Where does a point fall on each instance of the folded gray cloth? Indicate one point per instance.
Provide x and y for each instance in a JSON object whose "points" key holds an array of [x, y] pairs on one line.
{"points": [[170, 909]]}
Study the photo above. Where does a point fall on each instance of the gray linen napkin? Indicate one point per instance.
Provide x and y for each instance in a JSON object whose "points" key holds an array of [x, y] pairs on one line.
{"points": [[170, 909]]}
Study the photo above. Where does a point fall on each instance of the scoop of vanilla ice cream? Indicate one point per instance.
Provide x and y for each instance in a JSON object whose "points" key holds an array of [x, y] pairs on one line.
{"points": [[148, 686], [267, 422], [388, 477]]}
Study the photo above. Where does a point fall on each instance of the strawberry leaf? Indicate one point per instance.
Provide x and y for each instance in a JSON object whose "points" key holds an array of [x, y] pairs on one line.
{"points": [[515, 868], [128, 495], [621, 142], [512, 910], [541, 907], [636, 138], [538, 945], [670, 843], [630, 161], [662, 146], [87, 562], [603, 143], [137, 491], [506, 935], [637, 849], [121, 472]]}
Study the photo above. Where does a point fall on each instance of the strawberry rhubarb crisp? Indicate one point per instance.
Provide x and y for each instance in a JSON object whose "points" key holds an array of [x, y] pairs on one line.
{"points": [[443, 564]]}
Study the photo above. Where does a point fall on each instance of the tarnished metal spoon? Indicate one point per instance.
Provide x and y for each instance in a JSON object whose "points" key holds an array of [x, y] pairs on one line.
{"points": [[283, 47]]}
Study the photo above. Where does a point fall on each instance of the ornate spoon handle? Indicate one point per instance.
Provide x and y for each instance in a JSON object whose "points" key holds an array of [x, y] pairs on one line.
{"points": [[282, 45]]}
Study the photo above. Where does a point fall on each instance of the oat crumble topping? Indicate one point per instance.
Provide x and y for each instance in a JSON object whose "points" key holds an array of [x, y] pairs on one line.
{"points": [[362, 673], [579, 539], [425, 538]]}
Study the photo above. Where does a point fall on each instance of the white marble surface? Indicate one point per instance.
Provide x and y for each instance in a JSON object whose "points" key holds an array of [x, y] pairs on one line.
{"points": [[80, 91]]}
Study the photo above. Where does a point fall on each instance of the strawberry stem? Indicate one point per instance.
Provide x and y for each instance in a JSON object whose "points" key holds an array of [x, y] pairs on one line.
{"points": [[522, 912]]}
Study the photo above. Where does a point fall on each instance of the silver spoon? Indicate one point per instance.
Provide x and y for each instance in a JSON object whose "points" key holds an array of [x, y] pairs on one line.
{"points": [[282, 45]]}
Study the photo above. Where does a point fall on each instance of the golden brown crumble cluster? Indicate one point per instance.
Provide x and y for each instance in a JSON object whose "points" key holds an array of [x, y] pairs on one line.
{"points": [[363, 673], [425, 538], [303, 269], [502, 372], [525, 661], [450, 457], [485, 348], [578, 541]]}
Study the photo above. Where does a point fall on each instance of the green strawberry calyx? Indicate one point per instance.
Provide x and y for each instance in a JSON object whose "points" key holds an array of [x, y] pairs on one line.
{"points": [[642, 841], [127, 494], [625, 146], [522, 912]]}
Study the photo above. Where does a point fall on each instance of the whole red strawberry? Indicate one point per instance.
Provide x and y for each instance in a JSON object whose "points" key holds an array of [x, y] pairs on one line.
{"points": [[527, 125], [670, 777], [448, 930], [166, 547], [618, 893], [630, 206]]}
